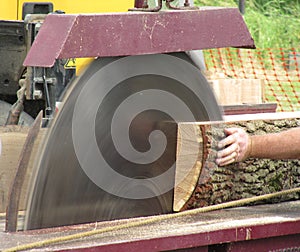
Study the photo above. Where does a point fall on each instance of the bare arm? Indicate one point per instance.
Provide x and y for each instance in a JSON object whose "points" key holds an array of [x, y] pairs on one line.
{"points": [[238, 146], [283, 145]]}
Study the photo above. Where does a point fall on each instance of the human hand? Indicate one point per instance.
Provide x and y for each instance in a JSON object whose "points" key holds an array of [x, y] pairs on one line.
{"points": [[235, 147]]}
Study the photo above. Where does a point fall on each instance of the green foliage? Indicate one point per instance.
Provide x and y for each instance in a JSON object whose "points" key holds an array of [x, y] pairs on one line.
{"points": [[273, 31], [276, 7], [272, 23], [224, 3]]}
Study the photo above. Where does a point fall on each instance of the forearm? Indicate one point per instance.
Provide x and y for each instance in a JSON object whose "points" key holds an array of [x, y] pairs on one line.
{"points": [[283, 145]]}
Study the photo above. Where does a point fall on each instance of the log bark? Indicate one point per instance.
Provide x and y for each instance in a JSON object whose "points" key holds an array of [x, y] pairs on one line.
{"points": [[236, 181]]}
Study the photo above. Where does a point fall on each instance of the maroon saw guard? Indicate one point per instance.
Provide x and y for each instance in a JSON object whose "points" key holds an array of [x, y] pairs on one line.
{"points": [[136, 33]]}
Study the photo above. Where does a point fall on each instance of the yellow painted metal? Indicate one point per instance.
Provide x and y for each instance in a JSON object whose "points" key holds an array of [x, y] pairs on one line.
{"points": [[85, 6], [12, 10], [8, 9]]}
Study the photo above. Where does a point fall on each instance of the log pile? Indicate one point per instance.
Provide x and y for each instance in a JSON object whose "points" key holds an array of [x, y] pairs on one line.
{"points": [[240, 180]]}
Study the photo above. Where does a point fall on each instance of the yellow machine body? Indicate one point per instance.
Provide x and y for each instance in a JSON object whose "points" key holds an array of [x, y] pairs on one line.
{"points": [[12, 9]]}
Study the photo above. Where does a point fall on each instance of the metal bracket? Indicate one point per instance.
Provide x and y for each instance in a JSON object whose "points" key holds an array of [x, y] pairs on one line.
{"points": [[186, 6], [142, 5], [40, 77]]}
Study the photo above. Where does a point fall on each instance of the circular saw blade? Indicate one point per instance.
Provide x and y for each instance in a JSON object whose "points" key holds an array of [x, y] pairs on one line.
{"points": [[110, 152]]}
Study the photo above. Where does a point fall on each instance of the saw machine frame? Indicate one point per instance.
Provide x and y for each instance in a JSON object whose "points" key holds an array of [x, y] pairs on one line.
{"points": [[132, 33], [136, 33]]}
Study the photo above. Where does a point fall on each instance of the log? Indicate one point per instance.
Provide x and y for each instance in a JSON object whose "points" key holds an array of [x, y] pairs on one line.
{"points": [[21, 171], [195, 161], [13, 139]]}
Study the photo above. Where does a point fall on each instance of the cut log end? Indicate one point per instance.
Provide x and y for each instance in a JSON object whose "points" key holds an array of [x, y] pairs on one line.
{"points": [[188, 165]]}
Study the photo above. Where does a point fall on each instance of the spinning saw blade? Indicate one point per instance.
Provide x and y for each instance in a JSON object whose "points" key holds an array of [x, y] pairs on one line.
{"points": [[110, 152]]}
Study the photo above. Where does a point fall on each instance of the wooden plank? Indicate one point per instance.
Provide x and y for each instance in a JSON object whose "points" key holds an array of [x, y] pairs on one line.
{"points": [[238, 91], [216, 184]]}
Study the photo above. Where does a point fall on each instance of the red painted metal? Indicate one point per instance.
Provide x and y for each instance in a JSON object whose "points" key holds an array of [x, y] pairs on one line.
{"points": [[275, 244], [257, 228], [265, 237], [250, 108], [136, 33]]}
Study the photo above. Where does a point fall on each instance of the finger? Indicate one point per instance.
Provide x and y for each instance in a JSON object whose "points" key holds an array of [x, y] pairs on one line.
{"points": [[227, 141], [227, 160], [233, 148]]}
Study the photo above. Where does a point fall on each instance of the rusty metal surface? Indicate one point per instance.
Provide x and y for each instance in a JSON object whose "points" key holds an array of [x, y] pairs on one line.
{"points": [[266, 226], [136, 33], [140, 4]]}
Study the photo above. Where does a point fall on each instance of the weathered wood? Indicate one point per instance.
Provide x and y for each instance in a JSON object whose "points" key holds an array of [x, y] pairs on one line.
{"points": [[18, 181], [13, 139], [240, 180]]}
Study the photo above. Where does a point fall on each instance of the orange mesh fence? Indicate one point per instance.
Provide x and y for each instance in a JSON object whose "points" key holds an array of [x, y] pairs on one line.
{"points": [[279, 68]]}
